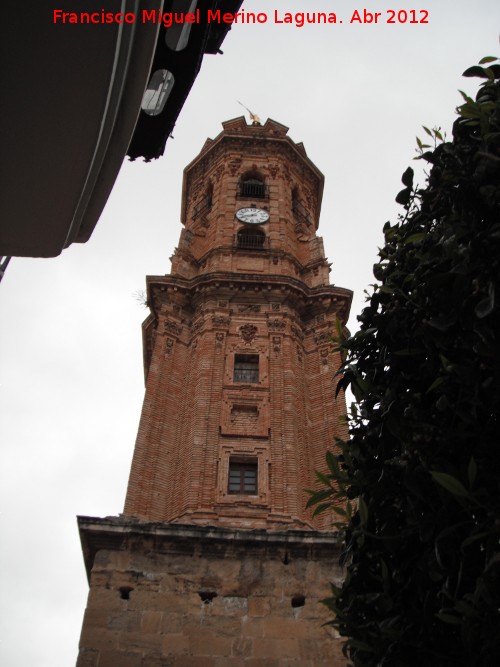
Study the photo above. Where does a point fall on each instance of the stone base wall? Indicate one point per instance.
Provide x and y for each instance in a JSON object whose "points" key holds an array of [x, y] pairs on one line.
{"points": [[210, 602]]}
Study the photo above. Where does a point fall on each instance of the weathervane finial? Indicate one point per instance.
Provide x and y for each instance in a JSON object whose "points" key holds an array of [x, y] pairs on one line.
{"points": [[253, 116]]}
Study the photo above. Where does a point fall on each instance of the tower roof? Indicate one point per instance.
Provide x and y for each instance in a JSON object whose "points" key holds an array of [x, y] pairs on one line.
{"points": [[237, 129]]}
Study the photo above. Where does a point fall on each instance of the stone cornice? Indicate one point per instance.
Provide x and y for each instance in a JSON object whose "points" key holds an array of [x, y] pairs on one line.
{"points": [[126, 533], [266, 252], [236, 281]]}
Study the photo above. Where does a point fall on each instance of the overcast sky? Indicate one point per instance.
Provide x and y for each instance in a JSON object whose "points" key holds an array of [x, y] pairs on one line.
{"points": [[71, 350]]}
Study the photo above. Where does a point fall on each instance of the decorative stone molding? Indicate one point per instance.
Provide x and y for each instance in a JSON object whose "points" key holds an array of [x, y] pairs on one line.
{"points": [[221, 319], [276, 325], [298, 333], [234, 166], [218, 173], [273, 169], [173, 327], [248, 308], [322, 337], [248, 332], [219, 339]]}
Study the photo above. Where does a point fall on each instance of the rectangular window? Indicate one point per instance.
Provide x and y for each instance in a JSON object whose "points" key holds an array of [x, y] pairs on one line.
{"points": [[246, 368], [242, 476]]}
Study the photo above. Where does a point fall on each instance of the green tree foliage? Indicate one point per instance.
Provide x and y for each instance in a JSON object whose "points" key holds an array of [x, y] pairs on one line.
{"points": [[418, 483]]}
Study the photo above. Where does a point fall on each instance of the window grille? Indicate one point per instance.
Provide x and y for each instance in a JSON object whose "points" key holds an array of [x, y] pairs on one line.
{"points": [[250, 239], [246, 368], [301, 213], [203, 206], [253, 188]]}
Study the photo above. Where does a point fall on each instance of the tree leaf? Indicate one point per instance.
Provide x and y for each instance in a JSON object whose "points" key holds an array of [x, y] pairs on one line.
{"points": [[485, 306], [448, 618], [450, 483], [407, 177], [333, 464], [472, 471], [475, 70], [363, 511], [438, 381], [466, 97], [473, 538], [487, 59], [415, 238], [404, 196], [362, 646], [324, 479]]}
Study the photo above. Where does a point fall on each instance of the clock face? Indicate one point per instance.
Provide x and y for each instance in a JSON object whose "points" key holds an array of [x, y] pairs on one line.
{"points": [[254, 216]]}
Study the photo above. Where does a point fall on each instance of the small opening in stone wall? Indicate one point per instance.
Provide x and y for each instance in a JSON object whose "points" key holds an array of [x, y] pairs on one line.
{"points": [[286, 560], [125, 592], [298, 601], [207, 596]]}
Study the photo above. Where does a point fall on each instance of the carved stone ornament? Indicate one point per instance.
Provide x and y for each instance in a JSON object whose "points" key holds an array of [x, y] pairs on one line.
{"points": [[218, 172], [298, 333], [248, 308], [322, 337], [248, 332], [276, 325], [173, 327], [324, 356], [276, 343], [301, 232], [276, 306], [169, 344], [196, 326], [221, 319], [273, 169], [234, 166]]}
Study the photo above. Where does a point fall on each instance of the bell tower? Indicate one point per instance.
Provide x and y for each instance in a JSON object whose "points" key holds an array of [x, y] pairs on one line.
{"points": [[216, 560]]}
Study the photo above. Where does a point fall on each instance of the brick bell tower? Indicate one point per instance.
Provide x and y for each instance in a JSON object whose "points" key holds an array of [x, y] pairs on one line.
{"points": [[216, 561]]}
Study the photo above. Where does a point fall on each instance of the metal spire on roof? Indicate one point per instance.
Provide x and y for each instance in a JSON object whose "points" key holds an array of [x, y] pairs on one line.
{"points": [[253, 116]]}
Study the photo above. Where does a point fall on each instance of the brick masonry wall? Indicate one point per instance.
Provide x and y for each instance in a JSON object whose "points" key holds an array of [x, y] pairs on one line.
{"points": [[219, 301], [196, 415]]}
